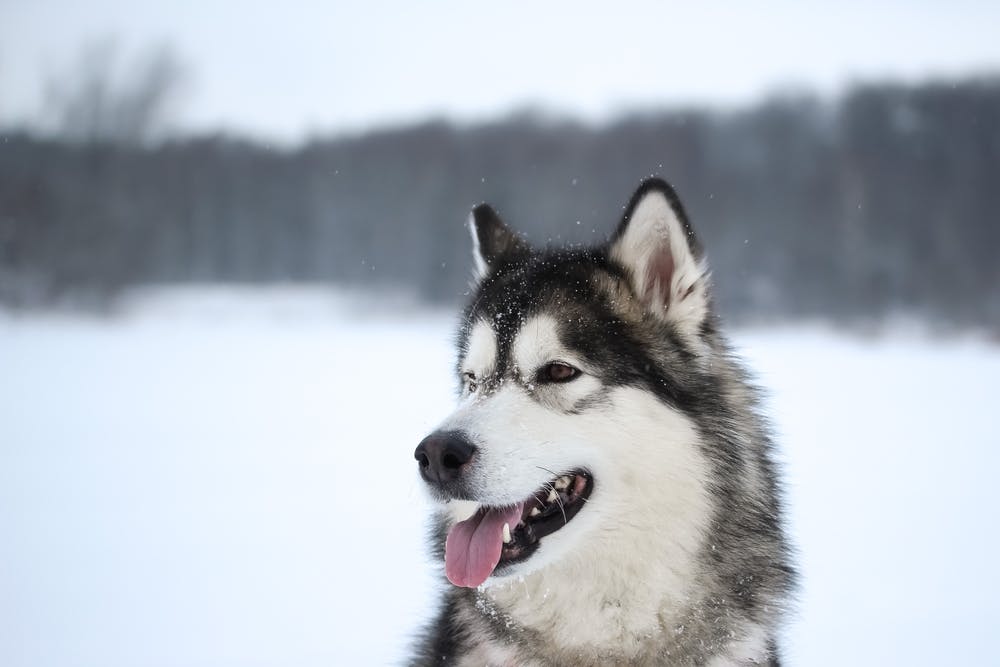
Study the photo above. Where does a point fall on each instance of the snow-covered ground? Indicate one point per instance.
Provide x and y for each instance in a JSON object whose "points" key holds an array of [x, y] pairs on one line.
{"points": [[226, 479]]}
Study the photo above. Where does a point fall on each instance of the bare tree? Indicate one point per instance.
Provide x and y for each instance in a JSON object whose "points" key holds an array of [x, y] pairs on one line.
{"points": [[91, 102]]}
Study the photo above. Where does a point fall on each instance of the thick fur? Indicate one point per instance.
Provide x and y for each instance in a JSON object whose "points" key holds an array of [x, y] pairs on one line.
{"points": [[678, 557]]}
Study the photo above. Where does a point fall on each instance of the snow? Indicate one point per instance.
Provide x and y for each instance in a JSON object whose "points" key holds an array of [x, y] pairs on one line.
{"points": [[225, 478]]}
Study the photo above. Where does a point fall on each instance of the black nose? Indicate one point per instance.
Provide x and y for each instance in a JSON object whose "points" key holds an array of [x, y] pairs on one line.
{"points": [[443, 456]]}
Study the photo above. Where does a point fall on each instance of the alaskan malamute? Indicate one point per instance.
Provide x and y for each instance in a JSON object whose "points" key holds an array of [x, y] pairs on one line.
{"points": [[607, 490]]}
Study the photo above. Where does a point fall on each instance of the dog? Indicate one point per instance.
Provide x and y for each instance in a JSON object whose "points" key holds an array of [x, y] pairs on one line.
{"points": [[607, 489]]}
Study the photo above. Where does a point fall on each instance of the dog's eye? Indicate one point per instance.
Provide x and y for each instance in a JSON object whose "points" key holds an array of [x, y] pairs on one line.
{"points": [[470, 382], [557, 371]]}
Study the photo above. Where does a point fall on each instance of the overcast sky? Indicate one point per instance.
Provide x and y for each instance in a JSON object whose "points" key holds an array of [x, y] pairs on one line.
{"points": [[286, 70]]}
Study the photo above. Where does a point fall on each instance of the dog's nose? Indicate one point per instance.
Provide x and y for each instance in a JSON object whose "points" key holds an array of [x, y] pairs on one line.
{"points": [[443, 456]]}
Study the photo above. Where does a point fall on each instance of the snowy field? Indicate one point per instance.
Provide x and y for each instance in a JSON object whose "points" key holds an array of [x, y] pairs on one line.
{"points": [[224, 479]]}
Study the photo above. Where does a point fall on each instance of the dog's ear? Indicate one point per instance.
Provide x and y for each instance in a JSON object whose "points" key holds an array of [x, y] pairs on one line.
{"points": [[493, 242], [655, 243]]}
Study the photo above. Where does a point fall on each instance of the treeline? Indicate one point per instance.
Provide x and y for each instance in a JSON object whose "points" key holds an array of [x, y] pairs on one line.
{"points": [[884, 201]]}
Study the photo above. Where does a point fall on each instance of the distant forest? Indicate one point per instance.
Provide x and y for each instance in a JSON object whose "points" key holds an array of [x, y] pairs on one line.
{"points": [[883, 201]]}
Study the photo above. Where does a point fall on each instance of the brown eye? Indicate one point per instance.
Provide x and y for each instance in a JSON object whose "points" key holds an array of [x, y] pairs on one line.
{"points": [[557, 372]]}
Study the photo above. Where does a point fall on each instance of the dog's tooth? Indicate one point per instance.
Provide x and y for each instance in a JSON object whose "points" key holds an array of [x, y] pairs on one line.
{"points": [[561, 483], [552, 496], [506, 533], [534, 511]]}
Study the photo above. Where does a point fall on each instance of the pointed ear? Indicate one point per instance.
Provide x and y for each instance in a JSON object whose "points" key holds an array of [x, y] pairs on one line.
{"points": [[654, 242], [493, 242]]}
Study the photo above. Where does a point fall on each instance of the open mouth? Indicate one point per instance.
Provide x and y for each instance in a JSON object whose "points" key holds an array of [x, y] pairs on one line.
{"points": [[496, 537]]}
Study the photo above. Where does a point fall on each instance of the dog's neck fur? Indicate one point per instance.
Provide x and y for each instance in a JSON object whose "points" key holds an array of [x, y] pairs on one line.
{"points": [[572, 605], [572, 614]]}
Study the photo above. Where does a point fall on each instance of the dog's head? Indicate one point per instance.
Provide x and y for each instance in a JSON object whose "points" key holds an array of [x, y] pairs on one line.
{"points": [[579, 369]]}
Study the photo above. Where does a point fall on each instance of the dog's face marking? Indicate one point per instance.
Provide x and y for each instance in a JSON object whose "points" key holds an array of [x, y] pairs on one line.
{"points": [[536, 343], [479, 361], [537, 348]]}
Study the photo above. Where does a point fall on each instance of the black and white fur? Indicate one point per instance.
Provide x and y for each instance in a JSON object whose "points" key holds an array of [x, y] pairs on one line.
{"points": [[678, 556]]}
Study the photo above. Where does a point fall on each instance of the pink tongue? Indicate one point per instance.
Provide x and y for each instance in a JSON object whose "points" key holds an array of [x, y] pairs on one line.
{"points": [[473, 546]]}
